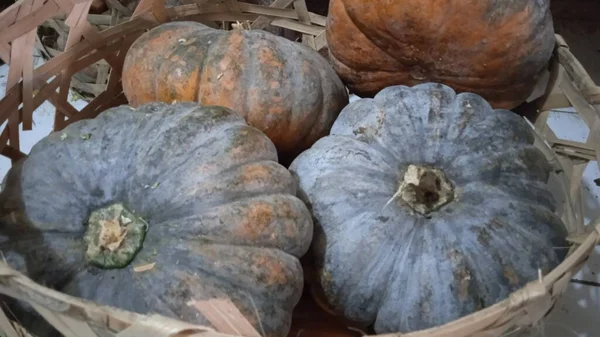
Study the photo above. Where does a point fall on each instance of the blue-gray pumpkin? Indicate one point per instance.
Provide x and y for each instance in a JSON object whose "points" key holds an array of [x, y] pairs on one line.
{"points": [[192, 195], [427, 206]]}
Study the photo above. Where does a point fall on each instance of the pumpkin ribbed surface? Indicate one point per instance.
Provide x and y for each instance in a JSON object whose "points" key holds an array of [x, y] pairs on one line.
{"points": [[192, 193], [428, 206], [496, 49], [283, 88]]}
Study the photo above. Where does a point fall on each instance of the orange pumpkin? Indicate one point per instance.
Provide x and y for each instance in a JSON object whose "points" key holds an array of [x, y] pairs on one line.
{"points": [[283, 88], [496, 49]]}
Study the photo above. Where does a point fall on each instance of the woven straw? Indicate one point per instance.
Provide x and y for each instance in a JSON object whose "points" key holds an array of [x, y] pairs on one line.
{"points": [[568, 85]]}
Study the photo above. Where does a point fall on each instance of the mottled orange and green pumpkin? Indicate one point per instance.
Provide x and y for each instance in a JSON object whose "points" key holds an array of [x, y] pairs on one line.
{"points": [[283, 88], [193, 192], [494, 48]]}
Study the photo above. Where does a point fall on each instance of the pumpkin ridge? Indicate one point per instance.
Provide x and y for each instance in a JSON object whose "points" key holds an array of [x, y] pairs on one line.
{"points": [[392, 258], [362, 31], [381, 46], [304, 125], [171, 123], [272, 318], [202, 63], [222, 232], [278, 182], [339, 57], [360, 79], [531, 186], [353, 169], [249, 78], [402, 259], [336, 141], [222, 67], [311, 134], [527, 233], [222, 261], [163, 122], [165, 86], [486, 171], [270, 67], [223, 163], [499, 219], [180, 167]]}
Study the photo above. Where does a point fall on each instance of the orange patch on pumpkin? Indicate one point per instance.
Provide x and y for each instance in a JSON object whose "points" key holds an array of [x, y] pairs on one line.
{"points": [[255, 172], [220, 83], [256, 221], [267, 56], [273, 270]]}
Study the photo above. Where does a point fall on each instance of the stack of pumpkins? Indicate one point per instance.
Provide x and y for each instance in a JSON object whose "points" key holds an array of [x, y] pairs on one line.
{"points": [[418, 204]]}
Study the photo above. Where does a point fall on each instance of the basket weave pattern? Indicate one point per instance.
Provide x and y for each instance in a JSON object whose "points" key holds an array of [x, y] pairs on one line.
{"points": [[93, 41]]}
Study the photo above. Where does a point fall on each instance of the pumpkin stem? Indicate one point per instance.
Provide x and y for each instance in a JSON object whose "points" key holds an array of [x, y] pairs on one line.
{"points": [[114, 236], [425, 189]]}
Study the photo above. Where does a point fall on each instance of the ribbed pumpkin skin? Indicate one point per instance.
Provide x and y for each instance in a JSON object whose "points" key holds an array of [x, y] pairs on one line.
{"points": [[496, 49], [222, 215], [283, 88], [378, 261]]}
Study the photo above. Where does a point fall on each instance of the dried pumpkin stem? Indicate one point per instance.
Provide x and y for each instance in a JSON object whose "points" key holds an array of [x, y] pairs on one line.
{"points": [[425, 189], [114, 237]]}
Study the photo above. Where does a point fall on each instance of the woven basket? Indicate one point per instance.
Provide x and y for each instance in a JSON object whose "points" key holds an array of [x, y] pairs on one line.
{"points": [[567, 85]]}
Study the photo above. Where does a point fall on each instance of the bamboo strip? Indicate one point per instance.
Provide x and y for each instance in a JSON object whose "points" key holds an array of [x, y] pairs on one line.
{"points": [[28, 41], [297, 26], [9, 15], [574, 69], [303, 17], [119, 7], [30, 22], [97, 19], [6, 326], [161, 14], [262, 21], [225, 317], [18, 56], [75, 22], [12, 153]]}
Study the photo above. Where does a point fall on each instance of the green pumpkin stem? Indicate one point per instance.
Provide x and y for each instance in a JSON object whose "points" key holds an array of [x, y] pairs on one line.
{"points": [[114, 237], [425, 189]]}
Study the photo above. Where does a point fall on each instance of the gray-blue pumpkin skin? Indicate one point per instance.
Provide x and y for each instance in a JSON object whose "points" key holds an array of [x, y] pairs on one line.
{"points": [[221, 214], [378, 261]]}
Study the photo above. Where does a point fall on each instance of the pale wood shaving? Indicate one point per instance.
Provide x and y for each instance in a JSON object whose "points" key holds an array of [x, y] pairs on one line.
{"points": [[7, 326], [160, 326], [225, 317], [144, 267]]}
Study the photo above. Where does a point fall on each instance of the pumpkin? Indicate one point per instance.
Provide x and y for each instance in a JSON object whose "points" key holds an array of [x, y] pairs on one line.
{"points": [[148, 209], [283, 88], [496, 49], [428, 205]]}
